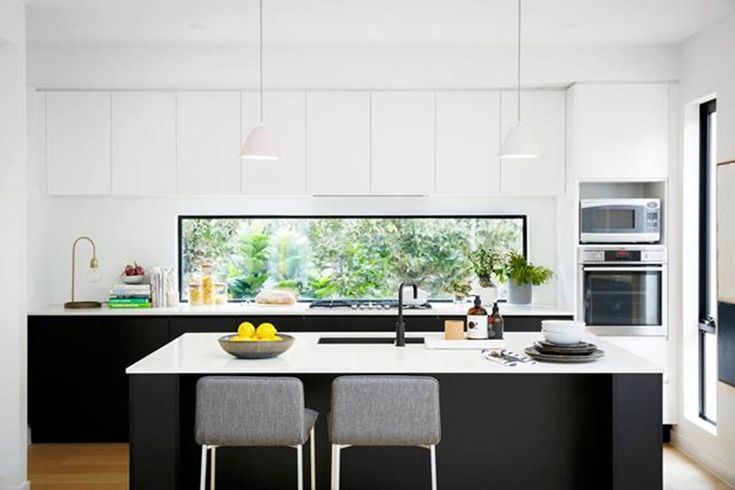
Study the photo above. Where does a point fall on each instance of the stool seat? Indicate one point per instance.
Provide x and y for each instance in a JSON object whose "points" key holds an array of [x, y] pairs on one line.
{"points": [[252, 411]]}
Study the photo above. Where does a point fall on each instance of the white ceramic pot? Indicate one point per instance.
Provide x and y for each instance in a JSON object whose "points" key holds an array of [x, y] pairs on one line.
{"points": [[519, 294], [488, 295]]}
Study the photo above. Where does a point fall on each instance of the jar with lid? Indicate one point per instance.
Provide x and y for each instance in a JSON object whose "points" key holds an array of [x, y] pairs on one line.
{"points": [[220, 293], [207, 283], [195, 292]]}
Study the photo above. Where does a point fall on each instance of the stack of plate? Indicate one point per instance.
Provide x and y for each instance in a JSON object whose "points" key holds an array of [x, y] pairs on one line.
{"points": [[580, 352]]}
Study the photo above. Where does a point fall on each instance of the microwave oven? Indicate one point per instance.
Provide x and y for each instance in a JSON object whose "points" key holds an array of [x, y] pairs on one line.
{"points": [[620, 221]]}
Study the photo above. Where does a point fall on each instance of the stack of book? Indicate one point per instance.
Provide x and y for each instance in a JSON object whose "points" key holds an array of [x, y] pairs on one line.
{"points": [[130, 296]]}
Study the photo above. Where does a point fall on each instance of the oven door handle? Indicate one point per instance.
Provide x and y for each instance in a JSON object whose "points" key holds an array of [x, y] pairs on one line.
{"points": [[650, 268]]}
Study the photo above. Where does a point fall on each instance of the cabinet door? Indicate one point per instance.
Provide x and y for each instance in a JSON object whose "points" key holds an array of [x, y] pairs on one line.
{"points": [[402, 143], [285, 116], [208, 143], [143, 143], [78, 143], [467, 142], [338, 142], [622, 131], [543, 113]]}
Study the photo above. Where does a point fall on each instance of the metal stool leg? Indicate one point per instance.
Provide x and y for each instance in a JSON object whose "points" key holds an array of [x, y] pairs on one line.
{"points": [[203, 471], [213, 464], [300, 467], [312, 450], [432, 450], [335, 466]]}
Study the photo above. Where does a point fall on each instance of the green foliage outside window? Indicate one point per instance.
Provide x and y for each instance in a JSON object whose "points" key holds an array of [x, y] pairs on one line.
{"points": [[343, 257]]}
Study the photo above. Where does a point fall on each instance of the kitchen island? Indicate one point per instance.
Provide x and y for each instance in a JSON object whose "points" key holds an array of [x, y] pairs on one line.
{"points": [[556, 426]]}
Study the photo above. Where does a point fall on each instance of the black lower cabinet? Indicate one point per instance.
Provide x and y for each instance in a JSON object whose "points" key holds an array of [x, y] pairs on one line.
{"points": [[77, 386]]}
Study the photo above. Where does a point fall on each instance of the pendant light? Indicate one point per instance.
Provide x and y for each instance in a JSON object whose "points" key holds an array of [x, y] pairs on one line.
{"points": [[519, 142], [257, 145]]}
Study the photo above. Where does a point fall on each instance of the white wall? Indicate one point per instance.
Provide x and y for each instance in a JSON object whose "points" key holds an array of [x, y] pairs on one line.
{"points": [[12, 247], [707, 69]]}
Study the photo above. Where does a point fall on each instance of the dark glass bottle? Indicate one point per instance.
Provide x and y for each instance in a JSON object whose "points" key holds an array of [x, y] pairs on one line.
{"points": [[477, 321], [496, 324]]}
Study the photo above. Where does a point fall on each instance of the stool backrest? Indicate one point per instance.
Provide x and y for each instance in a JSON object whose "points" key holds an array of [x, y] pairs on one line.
{"points": [[249, 411], [385, 411]]}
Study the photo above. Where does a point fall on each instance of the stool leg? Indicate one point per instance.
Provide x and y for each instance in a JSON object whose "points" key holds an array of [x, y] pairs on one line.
{"points": [[312, 450], [300, 466], [212, 463], [432, 450], [337, 450], [203, 472]]}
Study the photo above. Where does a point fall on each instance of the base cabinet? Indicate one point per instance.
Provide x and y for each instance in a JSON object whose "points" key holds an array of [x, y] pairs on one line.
{"points": [[77, 386]]}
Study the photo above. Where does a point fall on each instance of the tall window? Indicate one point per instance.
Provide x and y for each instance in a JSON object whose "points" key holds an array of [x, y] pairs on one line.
{"points": [[341, 257], [707, 264]]}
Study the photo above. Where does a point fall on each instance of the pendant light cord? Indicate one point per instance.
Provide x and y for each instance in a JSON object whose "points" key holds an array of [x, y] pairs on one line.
{"points": [[519, 62], [261, 61]]}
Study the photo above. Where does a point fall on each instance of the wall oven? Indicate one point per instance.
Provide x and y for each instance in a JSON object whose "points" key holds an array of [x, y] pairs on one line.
{"points": [[623, 290], [620, 221]]}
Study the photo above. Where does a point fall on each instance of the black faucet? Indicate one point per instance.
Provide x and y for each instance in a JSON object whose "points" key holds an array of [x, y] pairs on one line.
{"points": [[400, 325]]}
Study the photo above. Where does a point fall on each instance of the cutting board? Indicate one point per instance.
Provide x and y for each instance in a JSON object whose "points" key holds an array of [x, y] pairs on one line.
{"points": [[440, 343]]}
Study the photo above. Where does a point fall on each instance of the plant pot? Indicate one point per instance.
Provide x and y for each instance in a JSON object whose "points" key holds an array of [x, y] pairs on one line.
{"points": [[519, 294], [488, 295]]}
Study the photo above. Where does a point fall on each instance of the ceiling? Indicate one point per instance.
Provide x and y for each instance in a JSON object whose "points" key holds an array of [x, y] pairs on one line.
{"points": [[356, 23]]}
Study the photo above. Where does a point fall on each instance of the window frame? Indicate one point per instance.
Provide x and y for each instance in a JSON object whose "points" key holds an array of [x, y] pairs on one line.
{"points": [[707, 323], [182, 217]]}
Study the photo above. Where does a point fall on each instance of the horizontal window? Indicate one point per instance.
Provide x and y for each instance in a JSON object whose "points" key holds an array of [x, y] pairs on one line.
{"points": [[340, 257]]}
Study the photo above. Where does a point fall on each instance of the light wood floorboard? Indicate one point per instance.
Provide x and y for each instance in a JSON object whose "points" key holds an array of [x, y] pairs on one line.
{"points": [[105, 467]]}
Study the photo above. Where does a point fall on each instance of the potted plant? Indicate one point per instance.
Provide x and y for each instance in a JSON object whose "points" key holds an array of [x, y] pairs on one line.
{"points": [[486, 263], [522, 276], [460, 289]]}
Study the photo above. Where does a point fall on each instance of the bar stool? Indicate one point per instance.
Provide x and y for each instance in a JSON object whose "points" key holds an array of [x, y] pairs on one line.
{"points": [[253, 411], [384, 411]]}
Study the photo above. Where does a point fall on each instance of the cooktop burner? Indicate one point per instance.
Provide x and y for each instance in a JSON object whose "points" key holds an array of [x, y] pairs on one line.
{"points": [[366, 304]]}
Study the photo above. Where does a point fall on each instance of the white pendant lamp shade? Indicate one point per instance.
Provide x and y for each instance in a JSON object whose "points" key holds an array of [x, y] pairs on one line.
{"points": [[258, 145], [519, 143]]}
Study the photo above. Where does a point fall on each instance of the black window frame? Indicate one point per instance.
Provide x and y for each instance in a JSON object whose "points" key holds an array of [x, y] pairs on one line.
{"points": [[182, 217], [707, 324]]}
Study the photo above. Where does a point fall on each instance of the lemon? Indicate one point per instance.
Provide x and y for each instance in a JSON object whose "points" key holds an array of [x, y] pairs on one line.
{"points": [[246, 329], [238, 338], [266, 331]]}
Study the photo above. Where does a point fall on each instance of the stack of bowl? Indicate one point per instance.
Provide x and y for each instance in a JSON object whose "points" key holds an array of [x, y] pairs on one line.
{"points": [[562, 332]]}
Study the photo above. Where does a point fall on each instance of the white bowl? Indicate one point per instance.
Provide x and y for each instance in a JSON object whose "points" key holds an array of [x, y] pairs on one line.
{"points": [[132, 279], [562, 326], [566, 338]]}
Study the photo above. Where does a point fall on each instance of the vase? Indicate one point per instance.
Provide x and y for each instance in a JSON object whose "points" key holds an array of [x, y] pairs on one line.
{"points": [[488, 295], [519, 294]]}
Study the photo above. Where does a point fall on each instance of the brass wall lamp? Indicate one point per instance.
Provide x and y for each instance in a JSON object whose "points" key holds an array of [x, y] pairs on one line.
{"points": [[94, 265]]}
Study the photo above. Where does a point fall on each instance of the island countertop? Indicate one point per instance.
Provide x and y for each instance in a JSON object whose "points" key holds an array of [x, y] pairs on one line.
{"points": [[199, 353], [298, 309]]}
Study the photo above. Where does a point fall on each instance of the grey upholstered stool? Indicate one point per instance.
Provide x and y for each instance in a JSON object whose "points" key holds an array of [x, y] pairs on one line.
{"points": [[384, 411], [253, 411]]}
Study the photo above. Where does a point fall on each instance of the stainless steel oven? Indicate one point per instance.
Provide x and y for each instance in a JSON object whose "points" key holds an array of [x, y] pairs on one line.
{"points": [[623, 290]]}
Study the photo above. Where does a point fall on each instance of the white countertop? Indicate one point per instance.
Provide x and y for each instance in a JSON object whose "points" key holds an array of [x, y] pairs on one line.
{"points": [[199, 353], [299, 309]]}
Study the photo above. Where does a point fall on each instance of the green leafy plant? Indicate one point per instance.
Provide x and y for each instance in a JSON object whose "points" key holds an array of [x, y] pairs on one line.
{"points": [[518, 269], [485, 262], [249, 266], [460, 287]]}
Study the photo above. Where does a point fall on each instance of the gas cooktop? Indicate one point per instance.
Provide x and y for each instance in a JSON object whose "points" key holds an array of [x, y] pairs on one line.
{"points": [[365, 304]]}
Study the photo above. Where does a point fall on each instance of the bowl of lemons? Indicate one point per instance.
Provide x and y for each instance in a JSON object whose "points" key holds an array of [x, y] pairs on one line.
{"points": [[256, 343]]}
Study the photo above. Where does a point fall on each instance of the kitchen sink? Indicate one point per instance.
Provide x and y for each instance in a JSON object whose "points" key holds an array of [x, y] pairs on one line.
{"points": [[368, 340]]}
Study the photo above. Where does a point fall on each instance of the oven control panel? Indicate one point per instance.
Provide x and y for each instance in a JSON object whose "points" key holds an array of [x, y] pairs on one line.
{"points": [[621, 255]]}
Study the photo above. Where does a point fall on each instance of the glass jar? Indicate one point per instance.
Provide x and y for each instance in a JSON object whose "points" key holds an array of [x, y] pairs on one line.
{"points": [[220, 293], [195, 293], [207, 284]]}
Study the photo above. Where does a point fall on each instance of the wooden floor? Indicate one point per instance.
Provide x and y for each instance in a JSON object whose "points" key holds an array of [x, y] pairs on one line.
{"points": [[105, 467]]}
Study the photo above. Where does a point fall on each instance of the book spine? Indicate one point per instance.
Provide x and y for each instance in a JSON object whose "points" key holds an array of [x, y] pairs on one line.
{"points": [[129, 301], [128, 305]]}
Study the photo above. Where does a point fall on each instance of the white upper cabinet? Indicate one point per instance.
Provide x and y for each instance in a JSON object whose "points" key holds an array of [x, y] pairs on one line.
{"points": [[622, 131], [143, 143], [543, 114], [208, 143], [402, 143], [78, 143], [467, 142], [338, 143], [285, 117]]}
